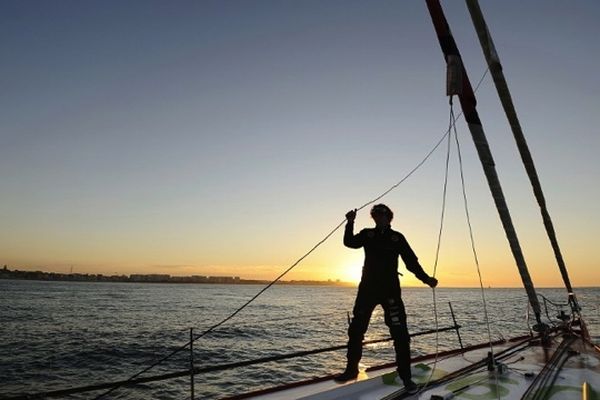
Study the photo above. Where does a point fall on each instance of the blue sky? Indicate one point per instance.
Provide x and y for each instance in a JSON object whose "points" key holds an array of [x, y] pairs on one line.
{"points": [[222, 137]]}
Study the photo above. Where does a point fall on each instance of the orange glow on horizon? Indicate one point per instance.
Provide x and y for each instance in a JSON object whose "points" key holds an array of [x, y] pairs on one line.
{"points": [[457, 272], [351, 273]]}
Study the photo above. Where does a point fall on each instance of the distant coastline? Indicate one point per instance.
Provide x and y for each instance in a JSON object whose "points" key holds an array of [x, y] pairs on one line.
{"points": [[6, 273]]}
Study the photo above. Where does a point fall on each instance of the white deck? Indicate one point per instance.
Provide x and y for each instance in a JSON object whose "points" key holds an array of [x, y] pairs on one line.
{"points": [[583, 365]]}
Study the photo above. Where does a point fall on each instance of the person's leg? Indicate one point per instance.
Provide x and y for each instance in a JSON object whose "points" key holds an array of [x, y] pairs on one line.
{"points": [[363, 308], [356, 331], [395, 319]]}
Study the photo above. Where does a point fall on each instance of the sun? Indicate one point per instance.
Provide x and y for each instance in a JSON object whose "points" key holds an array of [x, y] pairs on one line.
{"points": [[352, 273], [349, 268]]}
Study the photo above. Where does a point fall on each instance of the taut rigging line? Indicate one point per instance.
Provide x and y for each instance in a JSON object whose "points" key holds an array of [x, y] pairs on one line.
{"points": [[298, 261]]}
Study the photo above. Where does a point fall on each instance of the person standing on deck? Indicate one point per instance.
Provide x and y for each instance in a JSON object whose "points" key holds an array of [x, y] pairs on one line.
{"points": [[379, 284]]}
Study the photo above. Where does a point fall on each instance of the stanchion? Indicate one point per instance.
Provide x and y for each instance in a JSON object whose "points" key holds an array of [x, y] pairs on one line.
{"points": [[192, 363], [456, 326]]}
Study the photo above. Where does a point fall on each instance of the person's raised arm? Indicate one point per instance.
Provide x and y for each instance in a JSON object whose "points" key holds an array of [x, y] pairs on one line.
{"points": [[350, 239]]}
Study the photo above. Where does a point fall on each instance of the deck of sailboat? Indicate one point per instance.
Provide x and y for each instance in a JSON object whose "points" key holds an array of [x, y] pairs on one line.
{"points": [[556, 364], [524, 371], [561, 364]]}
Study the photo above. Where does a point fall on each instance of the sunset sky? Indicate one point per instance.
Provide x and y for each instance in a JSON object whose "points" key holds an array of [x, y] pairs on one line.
{"points": [[228, 137]]}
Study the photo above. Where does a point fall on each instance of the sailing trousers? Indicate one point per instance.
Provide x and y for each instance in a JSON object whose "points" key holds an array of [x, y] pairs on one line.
{"points": [[395, 319]]}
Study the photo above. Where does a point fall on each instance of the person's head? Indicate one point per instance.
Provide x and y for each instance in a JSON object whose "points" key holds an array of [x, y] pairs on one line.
{"points": [[382, 215]]}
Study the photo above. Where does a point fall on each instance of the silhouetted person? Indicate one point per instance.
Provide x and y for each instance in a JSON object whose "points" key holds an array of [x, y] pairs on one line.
{"points": [[379, 284]]}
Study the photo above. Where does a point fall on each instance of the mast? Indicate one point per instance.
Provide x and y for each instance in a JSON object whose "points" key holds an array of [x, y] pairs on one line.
{"points": [[468, 104], [493, 61]]}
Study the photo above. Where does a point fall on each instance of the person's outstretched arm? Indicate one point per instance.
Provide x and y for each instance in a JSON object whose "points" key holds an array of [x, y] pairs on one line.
{"points": [[412, 263]]}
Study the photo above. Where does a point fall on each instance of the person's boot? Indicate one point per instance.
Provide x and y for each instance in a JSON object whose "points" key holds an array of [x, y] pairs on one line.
{"points": [[410, 386], [350, 373]]}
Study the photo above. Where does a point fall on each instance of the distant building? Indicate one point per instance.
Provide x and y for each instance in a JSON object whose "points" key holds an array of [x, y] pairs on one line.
{"points": [[223, 279], [150, 277]]}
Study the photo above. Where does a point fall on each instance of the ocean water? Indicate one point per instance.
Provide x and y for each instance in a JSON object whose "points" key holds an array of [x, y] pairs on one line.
{"points": [[57, 335]]}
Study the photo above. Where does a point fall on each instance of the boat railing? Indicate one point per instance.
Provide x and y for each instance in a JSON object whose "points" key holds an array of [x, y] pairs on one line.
{"points": [[193, 370]]}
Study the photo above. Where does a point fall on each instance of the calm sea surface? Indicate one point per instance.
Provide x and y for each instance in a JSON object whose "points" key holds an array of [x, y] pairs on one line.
{"points": [[56, 335]]}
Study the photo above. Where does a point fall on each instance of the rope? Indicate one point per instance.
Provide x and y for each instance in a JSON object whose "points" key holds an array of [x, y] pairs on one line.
{"points": [[471, 237], [555, 304], [475, 257], [394, 186], [215, 368], [437, 250], [451, 125], [462, 372], [428, 154], [177, 350]]}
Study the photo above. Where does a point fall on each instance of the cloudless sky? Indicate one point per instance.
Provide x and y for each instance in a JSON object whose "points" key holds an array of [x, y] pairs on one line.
{"points": [[227, 138]]}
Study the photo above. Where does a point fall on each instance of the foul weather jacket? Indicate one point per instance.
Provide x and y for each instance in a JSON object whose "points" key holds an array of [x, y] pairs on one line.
{"points": [[382, 248]]}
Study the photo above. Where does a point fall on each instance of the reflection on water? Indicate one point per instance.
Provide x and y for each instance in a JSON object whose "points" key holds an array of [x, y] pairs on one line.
{"points": [[63, 334]]}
